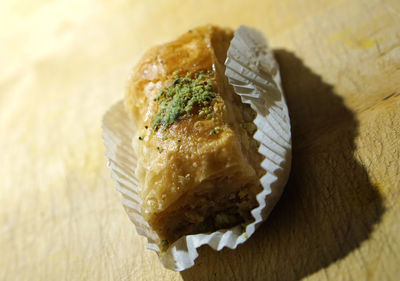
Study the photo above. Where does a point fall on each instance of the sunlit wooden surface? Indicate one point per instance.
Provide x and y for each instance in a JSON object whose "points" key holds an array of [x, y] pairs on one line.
{"points": [[63, 63]]}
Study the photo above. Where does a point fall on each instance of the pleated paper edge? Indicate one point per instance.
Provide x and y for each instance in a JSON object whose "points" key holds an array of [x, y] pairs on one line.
{"points": [[254, 86]]}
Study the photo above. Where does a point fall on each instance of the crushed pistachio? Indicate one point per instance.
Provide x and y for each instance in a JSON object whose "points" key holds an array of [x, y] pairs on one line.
{"points": [[179, 99], [222, 220], [250, 127], [164, 245], [215, 130]]}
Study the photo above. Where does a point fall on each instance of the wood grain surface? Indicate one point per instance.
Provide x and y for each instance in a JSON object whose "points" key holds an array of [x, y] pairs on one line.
{"points": [[65, 62]]}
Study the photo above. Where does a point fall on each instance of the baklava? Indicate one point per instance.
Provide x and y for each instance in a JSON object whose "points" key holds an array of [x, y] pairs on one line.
{"points": [[198, 164]]}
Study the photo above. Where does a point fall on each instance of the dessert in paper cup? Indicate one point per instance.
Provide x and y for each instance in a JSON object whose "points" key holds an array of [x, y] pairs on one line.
{"points": [[200, 148]]}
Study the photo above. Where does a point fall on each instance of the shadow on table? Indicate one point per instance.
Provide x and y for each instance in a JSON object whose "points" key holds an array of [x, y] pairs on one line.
{"points": [[329, 205]]}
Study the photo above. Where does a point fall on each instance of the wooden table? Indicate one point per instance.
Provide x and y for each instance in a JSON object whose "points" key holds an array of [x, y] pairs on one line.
{"points": [[65, 62]]}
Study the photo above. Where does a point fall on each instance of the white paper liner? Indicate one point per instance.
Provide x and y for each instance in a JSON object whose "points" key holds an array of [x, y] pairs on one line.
{"points": [[254, 74]]}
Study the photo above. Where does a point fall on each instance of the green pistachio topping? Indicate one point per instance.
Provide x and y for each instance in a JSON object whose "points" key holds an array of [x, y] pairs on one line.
{"points": [[250, 127], [215, 130], [181, 97], [164, 245]]}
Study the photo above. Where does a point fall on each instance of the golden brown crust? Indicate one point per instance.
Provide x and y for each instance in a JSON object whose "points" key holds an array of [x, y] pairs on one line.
{"points": [[187, 160]]}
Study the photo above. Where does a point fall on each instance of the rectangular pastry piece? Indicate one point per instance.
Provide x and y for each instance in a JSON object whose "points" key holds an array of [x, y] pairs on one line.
{"points": [[198, 165]]}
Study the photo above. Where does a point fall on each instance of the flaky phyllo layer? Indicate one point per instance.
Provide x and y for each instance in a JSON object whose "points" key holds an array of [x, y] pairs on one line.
{"points": [[198, 165]]}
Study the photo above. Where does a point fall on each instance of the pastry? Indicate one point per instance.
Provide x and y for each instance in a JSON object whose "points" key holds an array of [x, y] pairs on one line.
{"points": [[198, 165]]}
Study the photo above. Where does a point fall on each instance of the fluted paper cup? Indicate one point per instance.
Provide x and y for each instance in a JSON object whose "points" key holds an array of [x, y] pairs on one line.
{"points": [[254, 74]]}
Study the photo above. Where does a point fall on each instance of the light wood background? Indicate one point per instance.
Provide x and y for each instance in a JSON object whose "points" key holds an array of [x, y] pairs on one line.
{"points": [[63, 63]]}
